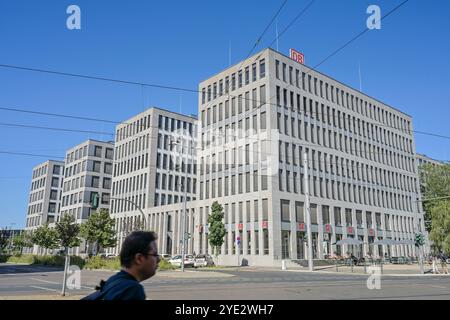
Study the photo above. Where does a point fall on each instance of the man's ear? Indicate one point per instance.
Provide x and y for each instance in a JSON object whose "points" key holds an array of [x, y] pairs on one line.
{"points": [[138, 258]]}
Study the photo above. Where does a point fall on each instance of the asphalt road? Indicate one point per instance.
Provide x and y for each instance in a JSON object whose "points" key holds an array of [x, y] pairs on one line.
{"points": [[243, 284]]}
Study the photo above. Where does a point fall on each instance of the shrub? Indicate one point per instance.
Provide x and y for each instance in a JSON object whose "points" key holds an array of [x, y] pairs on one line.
{"points": [[97, 262], [55, 261], [165, 265]]}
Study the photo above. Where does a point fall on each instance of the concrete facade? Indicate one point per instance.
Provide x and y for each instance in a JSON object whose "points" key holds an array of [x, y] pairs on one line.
{"points": [[257, 120], [152, 166], [88, 171], [45, 195]]}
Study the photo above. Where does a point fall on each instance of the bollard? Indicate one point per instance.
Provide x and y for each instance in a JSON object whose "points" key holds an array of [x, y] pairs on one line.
{"points": [[283, 264], [365, 267]]}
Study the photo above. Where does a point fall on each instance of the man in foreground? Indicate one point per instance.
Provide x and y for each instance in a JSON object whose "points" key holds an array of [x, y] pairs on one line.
{"points": [[139, 260]]}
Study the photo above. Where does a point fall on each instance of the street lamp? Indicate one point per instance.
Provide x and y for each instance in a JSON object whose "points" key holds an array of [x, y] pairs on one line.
{"points": [[183, 217], [138, 207]]}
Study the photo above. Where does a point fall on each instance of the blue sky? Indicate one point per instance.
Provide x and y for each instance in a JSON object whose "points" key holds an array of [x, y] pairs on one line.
{"points": [[179, 43]]}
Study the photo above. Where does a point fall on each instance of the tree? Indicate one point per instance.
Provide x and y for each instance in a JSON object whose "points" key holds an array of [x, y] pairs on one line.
{"points": [[22, 240], [67, 231], [99, 230], [435, 183], [45, 237], [440, 227], [4, 239], [216, 227]]}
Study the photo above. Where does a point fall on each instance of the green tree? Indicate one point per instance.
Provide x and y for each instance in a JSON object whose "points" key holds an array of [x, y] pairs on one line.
{"points": [[22, 240], [99, 231], [67, 231], [435, 183], [440, 227], [45, 237], [216, 227], [4, 239]]}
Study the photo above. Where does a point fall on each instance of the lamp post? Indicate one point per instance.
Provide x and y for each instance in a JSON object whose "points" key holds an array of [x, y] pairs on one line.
{"points": [[183, 217]]}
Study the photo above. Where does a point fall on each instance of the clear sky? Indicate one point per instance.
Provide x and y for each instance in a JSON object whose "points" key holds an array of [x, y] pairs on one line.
{"points": [[406, 64]]}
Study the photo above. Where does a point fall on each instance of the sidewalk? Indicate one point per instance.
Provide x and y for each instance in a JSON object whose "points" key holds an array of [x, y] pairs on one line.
{"points": [[388, 270]]}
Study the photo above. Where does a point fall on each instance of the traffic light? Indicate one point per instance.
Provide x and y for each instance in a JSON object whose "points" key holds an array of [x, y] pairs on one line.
{"points": [[94, 200], [419, 240]]}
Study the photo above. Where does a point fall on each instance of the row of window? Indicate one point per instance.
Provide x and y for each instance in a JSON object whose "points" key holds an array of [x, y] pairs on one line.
{"points": [[342, 191], [133, 128], [350, 124], [162, 199], [345, 143], [336, 95], [175, 183], [346, 217], [342, 167], [84, 197], [236, 80], [94, 151], [129, 203], [131, 165], [130, 184], [171, 124], [226, 109], [127, 149]]}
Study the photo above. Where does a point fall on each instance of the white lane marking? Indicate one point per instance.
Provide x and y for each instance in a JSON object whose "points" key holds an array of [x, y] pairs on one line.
{"points": [[45, 281], [42, 288], [439, 287]]}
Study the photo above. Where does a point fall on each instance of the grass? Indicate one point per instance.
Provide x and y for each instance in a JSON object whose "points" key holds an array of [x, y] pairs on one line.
{"points": [[54, 261]]}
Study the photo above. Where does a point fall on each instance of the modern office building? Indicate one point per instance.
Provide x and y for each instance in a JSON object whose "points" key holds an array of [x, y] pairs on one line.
{"points": [[45, 195], [88, 173], [152, 166], [258, 120]]}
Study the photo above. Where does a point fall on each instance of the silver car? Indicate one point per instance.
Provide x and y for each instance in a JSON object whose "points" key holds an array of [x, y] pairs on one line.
{"points": [[203, 260]]}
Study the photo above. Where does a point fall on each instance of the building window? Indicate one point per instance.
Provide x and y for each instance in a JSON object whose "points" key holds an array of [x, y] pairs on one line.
{"points": [[97, 151]]}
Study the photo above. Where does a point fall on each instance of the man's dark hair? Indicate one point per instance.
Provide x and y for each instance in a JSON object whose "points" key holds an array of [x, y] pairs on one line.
{"points": [[136, 242]]}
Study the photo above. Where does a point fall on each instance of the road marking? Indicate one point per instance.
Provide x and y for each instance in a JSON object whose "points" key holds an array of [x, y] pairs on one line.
{"points": [[42, 288], [439, 287], [45, 281]]}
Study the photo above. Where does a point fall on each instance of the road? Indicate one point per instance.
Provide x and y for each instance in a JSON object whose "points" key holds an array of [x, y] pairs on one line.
{"points": [[243, 284]]}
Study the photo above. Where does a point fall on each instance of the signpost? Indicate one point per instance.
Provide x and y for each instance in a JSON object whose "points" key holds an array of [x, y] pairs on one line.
{"points": [[238, 243]]}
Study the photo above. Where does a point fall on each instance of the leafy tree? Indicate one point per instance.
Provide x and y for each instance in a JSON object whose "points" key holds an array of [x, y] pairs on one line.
{"points": [[99, 231], [22, 240], [45, 237], [435, 183], [4, 239], [440, 227], [216, 228], [67, 231]]}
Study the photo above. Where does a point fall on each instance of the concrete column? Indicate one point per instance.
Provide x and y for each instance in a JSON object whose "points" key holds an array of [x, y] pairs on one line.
{"points": [[293, 239], [320, 253]]}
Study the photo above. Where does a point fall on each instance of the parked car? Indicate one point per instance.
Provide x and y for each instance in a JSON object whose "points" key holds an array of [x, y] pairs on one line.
{"points": [[188, 261], [203, 260], [166, 256]]}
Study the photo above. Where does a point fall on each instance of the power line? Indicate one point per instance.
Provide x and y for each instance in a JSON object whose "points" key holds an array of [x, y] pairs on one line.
{"points": [[82, 76], [357, 36], [265, 30], [292, 22]]}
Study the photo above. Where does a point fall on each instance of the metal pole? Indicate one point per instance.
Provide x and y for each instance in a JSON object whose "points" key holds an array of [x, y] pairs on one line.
{"points": [[66, 266], [417, 230], [183, 227], [308, 214]]}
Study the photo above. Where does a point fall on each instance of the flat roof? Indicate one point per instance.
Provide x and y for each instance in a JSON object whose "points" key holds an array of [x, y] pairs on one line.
{"points": [[312, 69]]}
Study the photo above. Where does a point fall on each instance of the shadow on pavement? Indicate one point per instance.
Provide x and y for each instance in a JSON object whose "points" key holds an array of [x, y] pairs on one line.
{"points": [[6, 268]]}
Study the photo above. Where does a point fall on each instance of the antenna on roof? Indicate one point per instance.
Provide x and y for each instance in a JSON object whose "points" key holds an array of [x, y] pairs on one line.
{"points": [[276, 33], [360, 79], [229, 54]]}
